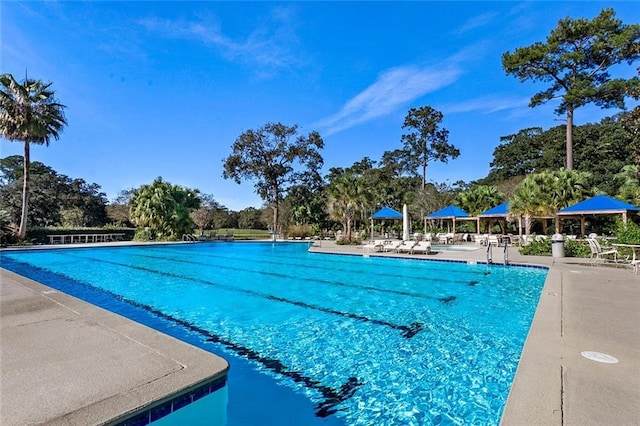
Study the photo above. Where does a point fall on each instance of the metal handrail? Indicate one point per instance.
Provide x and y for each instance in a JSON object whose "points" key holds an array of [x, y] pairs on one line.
{"points": [[489, 253], [506, 254]]}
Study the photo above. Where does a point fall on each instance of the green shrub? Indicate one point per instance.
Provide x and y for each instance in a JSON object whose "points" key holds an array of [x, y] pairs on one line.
{"points": [[537, 248], [353, 242], [7, 230], [575, 248], [300, 231], [143, 234], [627, 234]]}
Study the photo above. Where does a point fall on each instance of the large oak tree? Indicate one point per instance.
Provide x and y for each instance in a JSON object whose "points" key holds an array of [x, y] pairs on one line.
{"points": [[275, 158]]}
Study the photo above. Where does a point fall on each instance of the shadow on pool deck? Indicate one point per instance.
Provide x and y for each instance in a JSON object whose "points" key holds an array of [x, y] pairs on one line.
{"points": [[581, 308]]}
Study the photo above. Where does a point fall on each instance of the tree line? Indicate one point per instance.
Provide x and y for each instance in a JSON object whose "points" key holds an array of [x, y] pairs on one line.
{"points": [[529, 168]]}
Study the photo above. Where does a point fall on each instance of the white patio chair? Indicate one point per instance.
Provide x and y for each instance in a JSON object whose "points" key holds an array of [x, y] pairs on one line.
{"points": [[598, 253]]}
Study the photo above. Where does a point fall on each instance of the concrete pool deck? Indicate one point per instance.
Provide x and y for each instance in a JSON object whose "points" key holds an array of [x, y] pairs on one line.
{"points": [[67, 362], [64, 361]]}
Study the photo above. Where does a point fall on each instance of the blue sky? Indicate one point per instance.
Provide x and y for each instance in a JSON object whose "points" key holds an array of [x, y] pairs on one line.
{"points": [[164, 88]]}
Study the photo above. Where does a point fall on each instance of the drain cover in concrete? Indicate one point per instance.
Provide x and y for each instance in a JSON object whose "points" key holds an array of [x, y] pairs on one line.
{"points": [[599, 357]]}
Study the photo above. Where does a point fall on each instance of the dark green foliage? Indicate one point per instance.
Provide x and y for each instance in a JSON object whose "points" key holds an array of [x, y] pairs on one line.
{"points": [[479, 198], [7, 231], [307, 205], [250, 218], [627, 234], [601, 149], [54, 199], [537, 248], [118, 211]]}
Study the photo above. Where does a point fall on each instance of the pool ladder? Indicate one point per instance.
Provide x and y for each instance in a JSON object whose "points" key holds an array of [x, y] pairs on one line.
{"points": [[490, 253]]}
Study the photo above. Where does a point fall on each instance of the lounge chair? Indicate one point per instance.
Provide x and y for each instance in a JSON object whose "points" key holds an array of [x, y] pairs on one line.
{"points": [[480, 240], [445, 238], [391, 245], [493, 240], [598, 253], [422, 247], [377, 245], [406, 247]]}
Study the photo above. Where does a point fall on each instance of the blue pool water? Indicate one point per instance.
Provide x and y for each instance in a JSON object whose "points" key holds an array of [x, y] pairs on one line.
{"points": [[316, 338]]}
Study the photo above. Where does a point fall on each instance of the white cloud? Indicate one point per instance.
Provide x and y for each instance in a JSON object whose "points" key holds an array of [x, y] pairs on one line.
{"points": [[270, 45], [475, 22], [487, 105], [393, 89]]}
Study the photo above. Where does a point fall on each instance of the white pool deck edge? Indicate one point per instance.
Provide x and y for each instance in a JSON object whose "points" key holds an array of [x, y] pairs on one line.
{"points": [[64, 361]]}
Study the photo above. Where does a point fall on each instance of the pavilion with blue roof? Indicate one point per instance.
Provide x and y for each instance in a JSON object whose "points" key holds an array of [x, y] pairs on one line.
{"points": [[499, 212], [385, 213], [451, 213], [598, 205]]}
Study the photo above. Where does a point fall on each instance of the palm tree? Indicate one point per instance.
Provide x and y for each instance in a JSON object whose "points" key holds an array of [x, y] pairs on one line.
{"points": [[529, 200], [562, 188], [29, 113], [629, 184], [546, 192], [479, 198], [347, 198]]}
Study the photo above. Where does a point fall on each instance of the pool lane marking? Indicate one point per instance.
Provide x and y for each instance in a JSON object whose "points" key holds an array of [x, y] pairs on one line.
{"points": [[444, 299], [332, 398], [332, 263], [407, 331], [359, 271]]}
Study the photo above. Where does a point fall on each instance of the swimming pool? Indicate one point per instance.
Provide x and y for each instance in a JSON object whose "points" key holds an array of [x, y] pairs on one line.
{"points": [[316, 338]]}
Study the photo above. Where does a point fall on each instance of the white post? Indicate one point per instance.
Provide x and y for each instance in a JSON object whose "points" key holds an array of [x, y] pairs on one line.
{"points": [[405, 223]]}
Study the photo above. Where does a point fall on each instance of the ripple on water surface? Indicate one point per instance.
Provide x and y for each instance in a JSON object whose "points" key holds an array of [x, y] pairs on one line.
{"points": [[371, 340]]}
